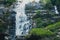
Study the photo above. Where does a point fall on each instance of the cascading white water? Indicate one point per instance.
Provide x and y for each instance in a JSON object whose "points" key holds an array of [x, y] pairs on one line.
{"points": [[56, 11], [22, 24]]}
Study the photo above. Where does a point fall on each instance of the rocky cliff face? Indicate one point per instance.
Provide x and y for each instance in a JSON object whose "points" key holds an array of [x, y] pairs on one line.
{"points": [[5, 14]]}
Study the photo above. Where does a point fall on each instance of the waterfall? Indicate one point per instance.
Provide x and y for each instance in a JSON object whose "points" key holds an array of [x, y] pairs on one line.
{"points": [[56, 11], [22, 24]]}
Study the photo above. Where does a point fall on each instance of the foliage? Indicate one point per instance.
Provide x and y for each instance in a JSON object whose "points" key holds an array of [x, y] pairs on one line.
{"points": [[50, 28], [37, 15], [48, 4], [53, 27], [1, 25], [38, 22], [48, 31], [57, 38], [9, 2], [4, 21], [42, 20], [41, 32], [45, 1], [55, 2]]}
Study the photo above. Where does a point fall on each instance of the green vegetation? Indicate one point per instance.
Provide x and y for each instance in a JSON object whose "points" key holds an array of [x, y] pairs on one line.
{"points": [[45, 1], [41, 32], [43, 20], [46, 32], [45, 26], [9, 2], [53, 27], [4, 22], [2, 26], [55, 2]]}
